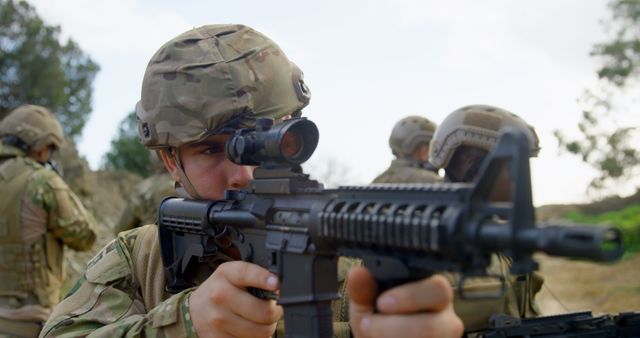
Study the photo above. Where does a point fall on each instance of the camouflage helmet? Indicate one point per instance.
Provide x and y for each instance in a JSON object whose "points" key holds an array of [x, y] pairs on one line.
{"points": [[477, 126], [408, 133], [34, 125], [213, 79]]}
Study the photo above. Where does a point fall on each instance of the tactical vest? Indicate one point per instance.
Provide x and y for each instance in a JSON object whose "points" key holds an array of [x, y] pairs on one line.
{"points": [[26, 276]]}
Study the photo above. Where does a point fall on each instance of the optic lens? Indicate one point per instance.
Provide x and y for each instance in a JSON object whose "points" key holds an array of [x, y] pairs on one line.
{"points": [[291, 144]]}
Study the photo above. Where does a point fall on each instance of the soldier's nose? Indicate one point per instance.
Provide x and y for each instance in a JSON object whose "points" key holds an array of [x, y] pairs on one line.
{"points": [[241, 177]]}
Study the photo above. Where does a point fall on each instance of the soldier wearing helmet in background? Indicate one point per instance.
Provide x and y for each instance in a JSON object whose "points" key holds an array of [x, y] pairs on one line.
{"points": [[38, 215], [198, 89], [142, 207], [459, 146], [409, 142]]}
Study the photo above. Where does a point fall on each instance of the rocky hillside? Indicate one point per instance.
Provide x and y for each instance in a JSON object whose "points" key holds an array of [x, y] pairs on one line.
{"points": [[104, 193]]}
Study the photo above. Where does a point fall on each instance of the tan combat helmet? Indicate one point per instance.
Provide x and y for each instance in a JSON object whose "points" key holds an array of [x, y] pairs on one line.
{"points": [[35, 128], [212, 79], [476, 126], [408, 133]]}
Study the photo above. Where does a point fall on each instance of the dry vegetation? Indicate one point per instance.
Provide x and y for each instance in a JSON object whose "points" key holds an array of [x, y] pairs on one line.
{"points": [[104, 193], [577, 286]]}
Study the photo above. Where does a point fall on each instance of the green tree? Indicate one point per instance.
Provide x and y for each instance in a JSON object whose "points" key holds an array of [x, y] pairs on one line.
{"points": [[127, 153], [36, 68], [605, 144], [621, 56]]}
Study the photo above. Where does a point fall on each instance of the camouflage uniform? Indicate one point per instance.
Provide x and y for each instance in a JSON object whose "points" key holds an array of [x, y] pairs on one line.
{"points": [[207, 81], [407, 136], [479, 126], [39, 214], [122, 294], [144, 201]]}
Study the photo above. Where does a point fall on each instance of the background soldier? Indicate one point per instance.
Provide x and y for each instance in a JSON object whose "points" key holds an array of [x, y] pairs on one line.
{"points": [[198, 89], [38, 215], [142, 206], [409, 142], [459, 146]]}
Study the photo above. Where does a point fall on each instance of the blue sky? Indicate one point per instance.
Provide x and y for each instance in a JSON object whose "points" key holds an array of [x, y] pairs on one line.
{"points": [[370, 63]]}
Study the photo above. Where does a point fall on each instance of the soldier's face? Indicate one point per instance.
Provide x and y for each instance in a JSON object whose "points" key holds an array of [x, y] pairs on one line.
{"points": [[207, 167]]}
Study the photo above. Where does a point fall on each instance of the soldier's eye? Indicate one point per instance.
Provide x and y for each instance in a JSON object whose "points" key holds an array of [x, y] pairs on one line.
{"points": [[213, 149]]}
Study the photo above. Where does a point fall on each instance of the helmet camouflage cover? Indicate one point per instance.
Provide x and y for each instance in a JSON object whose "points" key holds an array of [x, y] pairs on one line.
{"points": [[212, 79], [408, 133], [477, 126], [36, 126]]}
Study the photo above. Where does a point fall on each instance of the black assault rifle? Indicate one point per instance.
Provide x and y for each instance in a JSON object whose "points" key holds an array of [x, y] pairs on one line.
{"points": [[295, 228]]}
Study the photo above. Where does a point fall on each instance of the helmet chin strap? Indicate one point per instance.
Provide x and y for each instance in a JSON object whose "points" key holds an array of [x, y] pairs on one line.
{"points": [[186, 190]]}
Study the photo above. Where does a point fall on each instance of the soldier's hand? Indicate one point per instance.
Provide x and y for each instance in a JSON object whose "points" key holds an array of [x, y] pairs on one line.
{"points": [[419, 309], [222, 307]]}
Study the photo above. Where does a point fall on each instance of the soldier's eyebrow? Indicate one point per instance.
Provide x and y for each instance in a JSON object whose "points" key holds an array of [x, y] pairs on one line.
{"points": [[211, 142]]}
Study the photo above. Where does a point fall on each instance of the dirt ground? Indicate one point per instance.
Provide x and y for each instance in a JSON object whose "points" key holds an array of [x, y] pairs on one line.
{"points": [[572, 286]]}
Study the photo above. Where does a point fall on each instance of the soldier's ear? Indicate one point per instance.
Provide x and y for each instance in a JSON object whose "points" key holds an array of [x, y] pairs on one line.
{"points": [[170, 163]]}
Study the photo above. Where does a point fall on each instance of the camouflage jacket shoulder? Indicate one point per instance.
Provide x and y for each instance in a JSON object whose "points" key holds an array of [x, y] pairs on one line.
{"points": [[47, 194], [122, 294], [108, 300], [403, 171], [68, 219]]}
